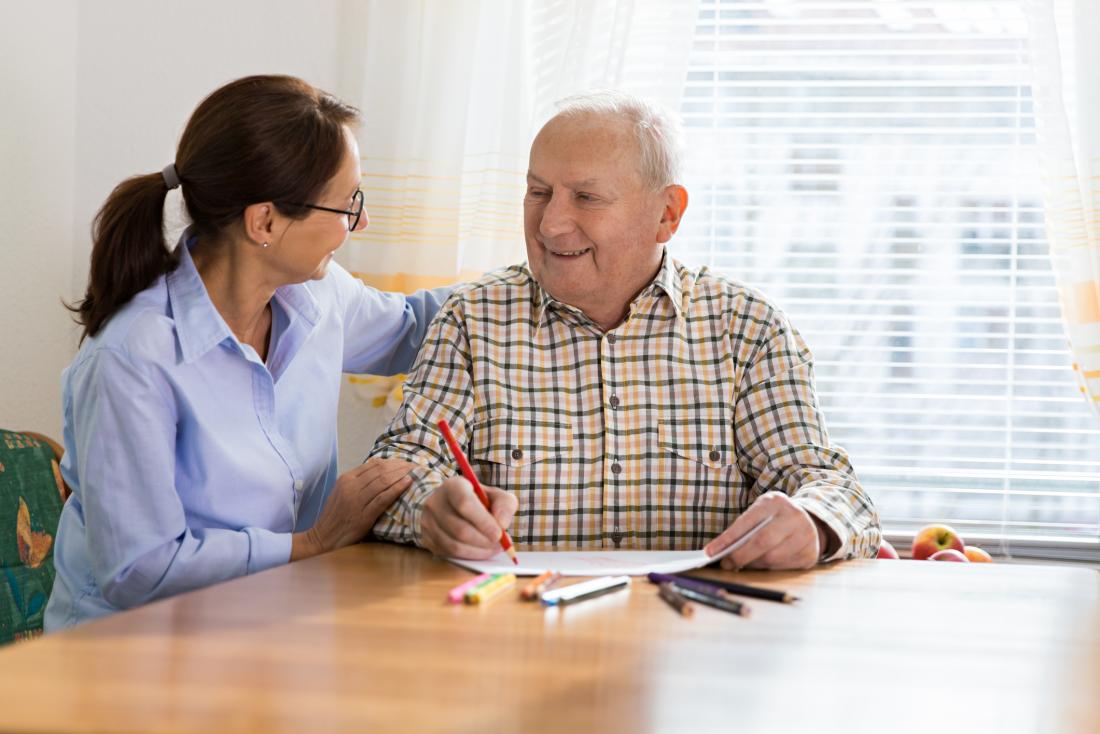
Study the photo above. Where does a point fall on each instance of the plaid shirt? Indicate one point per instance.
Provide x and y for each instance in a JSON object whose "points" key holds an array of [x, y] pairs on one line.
{"points": [[653, 435]]}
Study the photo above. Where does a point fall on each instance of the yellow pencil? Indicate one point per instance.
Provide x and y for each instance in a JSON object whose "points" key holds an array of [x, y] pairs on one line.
{"points": [[488, 590]]}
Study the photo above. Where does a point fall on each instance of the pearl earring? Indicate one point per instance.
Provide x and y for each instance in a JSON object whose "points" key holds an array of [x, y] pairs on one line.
{"points": [[265, 245]]}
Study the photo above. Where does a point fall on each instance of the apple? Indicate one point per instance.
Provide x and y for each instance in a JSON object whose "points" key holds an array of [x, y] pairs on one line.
{"points": [[974, 554], [949, 555], [887, 551], [932, 538]]}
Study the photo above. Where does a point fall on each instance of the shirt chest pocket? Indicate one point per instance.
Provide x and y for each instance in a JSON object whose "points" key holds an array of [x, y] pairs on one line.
{"points": [[512, 453], [699, 434]]}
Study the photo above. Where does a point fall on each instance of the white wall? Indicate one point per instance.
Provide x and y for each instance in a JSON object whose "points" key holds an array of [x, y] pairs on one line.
{"points": [[89, 95], [38, 62]]}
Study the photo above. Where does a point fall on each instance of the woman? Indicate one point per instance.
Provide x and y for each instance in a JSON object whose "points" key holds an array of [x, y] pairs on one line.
{"points": [[200, 411]]}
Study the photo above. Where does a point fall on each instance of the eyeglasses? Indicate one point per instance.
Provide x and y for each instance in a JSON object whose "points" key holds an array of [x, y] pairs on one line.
{"points": [[352, 214]]}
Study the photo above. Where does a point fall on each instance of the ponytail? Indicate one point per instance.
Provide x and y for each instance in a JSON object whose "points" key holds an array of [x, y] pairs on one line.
{"points": [[258, 138], [128, 250]]}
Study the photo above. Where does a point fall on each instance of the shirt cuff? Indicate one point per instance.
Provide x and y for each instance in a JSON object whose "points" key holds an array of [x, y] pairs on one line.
{"points": [[267, 549], [416, 513], [821, 511]]}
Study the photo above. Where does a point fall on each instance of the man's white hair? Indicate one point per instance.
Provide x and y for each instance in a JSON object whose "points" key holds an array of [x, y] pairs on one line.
{"points": [[656, 129]]}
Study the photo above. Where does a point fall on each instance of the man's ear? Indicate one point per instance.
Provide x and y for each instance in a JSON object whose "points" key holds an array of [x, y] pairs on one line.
{"points": [[258, 221], [675, 204]]}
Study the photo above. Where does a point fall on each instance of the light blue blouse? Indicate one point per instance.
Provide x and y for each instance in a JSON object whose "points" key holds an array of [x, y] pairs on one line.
{"points": [[190, 460]]}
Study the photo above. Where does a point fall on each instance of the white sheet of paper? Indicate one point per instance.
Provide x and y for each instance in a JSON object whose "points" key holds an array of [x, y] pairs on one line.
{"points": [[601, 562]]}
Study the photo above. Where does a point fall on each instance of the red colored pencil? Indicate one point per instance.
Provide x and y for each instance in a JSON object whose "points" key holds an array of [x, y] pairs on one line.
{"points": [[468, 472]]}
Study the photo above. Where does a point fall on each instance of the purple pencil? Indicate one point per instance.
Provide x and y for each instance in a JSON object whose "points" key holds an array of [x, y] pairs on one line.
{"points": [[685, 583], [716, 587]]}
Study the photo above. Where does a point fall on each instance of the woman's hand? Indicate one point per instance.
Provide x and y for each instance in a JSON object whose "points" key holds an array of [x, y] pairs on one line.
{"points": [[358, 498]]}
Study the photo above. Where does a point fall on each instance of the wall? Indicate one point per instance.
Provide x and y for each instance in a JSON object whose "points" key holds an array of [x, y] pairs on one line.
{"points": [[38, 63], [91, 95]]}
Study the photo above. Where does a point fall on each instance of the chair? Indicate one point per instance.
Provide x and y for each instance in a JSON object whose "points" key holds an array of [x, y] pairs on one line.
{"points": [[32, 493]]}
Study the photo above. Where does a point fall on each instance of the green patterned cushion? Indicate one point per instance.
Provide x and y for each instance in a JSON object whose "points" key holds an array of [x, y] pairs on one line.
{"points": [[30, 505]]}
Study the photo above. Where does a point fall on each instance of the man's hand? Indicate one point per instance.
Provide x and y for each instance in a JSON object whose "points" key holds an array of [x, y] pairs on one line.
{"points": [[793, 539], [454, 523], [358, 498]]}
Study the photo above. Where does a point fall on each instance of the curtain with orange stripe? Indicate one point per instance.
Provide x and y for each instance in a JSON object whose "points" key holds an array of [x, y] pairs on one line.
{"points": [[1065, 60], [452, 93]]}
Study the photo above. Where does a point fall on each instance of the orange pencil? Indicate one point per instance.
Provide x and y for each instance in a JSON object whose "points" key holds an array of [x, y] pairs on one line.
{"points": [[539, 585], [468, 472]]}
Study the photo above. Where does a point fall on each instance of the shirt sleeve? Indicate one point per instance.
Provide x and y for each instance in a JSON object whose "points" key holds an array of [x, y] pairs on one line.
{"points": [[783, 444], [438, 387], [383, 331], [140, 545]]}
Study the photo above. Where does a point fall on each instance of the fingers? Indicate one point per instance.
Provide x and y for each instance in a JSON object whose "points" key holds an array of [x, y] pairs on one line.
{"points": [[385, 482], [504, 506], [377, 502], [455, 523], [377, 466], [440, 542], [743, 524], [770, 538], [787, 556], [466, 507], [790, 540]]}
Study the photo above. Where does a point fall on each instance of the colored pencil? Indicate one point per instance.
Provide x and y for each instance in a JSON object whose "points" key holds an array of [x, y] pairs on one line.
{"points": [[585, 590], [458, 593], [733, 587], [676, 600], [493, 587], [712, 600], [688, 583], [468, 472], [541, 583]]}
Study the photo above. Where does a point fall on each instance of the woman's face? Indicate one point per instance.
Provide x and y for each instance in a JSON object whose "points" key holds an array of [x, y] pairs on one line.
{"points": [[306, 246]]}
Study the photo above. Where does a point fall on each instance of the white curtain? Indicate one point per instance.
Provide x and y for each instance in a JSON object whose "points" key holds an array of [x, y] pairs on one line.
{"points": [[452, 93], [1066, 63]]}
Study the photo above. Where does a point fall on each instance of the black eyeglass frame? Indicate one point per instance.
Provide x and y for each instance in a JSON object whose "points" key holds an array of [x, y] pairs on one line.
{"points": [[356, 213]]}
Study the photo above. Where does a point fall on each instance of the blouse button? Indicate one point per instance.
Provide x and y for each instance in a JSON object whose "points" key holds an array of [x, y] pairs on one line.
{"points": [[611, 338], [517, 454], [715, 455], [616, 468], [614, 401]]}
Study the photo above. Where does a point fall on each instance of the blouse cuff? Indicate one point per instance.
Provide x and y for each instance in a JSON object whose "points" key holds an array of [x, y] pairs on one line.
{"points": [[267, 549]]}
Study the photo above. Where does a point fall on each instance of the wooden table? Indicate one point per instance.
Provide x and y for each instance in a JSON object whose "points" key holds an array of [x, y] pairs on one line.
{"points": [[362, 640]]}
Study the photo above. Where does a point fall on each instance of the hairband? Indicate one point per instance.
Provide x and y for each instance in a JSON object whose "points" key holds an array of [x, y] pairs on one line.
{"points": [[171, 178]]}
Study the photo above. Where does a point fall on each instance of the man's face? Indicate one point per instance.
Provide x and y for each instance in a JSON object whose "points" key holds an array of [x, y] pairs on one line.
{"points": [[593, 229]]}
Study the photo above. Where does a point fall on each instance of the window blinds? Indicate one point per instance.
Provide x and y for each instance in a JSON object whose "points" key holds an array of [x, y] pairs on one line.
{"points": [[872, 166]]}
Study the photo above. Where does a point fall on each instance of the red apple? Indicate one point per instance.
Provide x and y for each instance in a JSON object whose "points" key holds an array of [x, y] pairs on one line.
{"points": [[887, 551], [932, 538], [974, 554], [949, 555]]}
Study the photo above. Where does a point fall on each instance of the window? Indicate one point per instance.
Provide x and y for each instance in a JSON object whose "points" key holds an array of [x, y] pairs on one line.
{"points": [[871, 166]]}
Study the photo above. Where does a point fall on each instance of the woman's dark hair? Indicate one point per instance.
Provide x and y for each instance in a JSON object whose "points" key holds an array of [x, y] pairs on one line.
{"points": [[260, 138]]}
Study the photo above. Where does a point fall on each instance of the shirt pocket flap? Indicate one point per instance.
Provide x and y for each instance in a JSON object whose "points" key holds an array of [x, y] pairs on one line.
{"points": [[517, 443], [703, 436]]}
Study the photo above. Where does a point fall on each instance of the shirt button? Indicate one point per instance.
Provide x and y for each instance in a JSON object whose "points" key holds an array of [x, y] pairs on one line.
{"points": [[715, 455], [611, 338], [616, 468], [517, 454], [614, 401], [298, 484]]}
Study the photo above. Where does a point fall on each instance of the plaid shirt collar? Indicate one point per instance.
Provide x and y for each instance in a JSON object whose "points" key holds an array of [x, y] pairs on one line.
{"points": [[676, 286]]}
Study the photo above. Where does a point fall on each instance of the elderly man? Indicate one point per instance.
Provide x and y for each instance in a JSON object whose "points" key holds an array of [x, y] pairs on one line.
{"points": [[609, 396]]}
